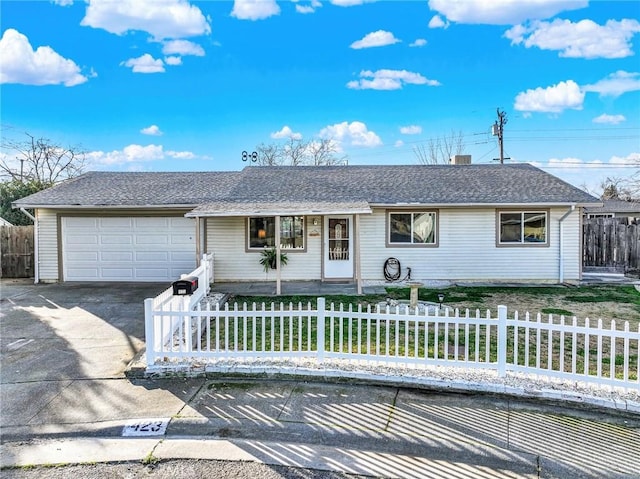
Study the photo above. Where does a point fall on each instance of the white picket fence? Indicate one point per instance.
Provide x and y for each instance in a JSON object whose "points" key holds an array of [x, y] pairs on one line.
{"points": [[547, 346], [160, 330]]}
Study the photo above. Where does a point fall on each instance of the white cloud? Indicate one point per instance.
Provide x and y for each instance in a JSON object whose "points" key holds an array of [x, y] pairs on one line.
{"points": [[181, 155], [63, 3], [584, 39], [379, 38], [286, 132], [254, 9], [437, 22], [553, 99], [173, 61], [129, 154], [411, 130], [609, 119], [398, 143], [182, 48], [616, 84], [134, 154], [162, 19], [389, 80], [502, 12], [311, 8], [152, 130], [419, 42], [144, 64], [19, 63], [630, 159], [348, 3], [354, 133]]}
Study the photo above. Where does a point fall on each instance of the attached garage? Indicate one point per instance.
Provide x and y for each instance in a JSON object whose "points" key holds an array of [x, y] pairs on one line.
{"points": [[138, 248]]}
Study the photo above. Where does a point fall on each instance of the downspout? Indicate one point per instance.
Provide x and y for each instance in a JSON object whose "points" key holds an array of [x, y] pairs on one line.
{"points": [[278, 263], [36, 260], [561, 222]]}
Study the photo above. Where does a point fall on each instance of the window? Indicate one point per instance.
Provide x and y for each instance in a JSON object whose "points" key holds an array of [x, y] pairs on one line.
{"points": [[262, 232], [526, 227], [412, 228]]}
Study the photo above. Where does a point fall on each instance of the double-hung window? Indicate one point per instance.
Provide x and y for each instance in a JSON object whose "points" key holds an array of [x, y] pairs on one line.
{"points": [[523, 227], [412, 228], [262, 232]]}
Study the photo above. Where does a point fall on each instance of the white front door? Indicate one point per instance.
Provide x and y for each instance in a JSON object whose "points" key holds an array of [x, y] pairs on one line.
{"points": [[338, 247]]}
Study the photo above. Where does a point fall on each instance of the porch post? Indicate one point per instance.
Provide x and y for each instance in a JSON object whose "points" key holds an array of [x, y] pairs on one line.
{"points": [[198, 239], [278, 286], [356, 252]]}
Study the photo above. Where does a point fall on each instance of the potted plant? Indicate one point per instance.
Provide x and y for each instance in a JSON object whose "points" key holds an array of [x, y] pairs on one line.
{"points": [[268, 259]]}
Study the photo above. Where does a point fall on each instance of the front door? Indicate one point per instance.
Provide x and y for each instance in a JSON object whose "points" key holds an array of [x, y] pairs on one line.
{"points": [[338, 247]]}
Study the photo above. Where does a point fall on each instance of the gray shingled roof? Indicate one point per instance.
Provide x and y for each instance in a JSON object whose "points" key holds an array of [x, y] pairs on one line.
{"points": [[101, 188], [615, 206], [345, 185]]}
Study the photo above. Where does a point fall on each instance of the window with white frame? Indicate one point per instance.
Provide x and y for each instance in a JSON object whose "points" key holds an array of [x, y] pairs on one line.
{"points": [[412, 228], [261, 232], [522, 227]]}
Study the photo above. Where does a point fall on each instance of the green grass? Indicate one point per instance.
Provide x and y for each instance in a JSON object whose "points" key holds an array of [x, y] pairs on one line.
{"points": [[621, 294], [559, 311], [404, 340]]}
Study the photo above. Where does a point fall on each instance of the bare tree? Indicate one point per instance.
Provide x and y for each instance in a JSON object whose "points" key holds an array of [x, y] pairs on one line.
{"points": [[40, 160], [440, 150], [297, 152], [268, 155]]}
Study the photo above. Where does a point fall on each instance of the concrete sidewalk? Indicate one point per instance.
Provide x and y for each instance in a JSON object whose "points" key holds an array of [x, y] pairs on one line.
{"points": [[65, 400]]}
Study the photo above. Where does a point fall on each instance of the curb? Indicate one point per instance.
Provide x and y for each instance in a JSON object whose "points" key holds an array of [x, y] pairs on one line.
{"points": [[530, 392]]}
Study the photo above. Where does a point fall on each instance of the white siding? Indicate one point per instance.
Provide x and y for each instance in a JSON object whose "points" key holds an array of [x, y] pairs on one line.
{"points": [[467, 250], [47, 245], [226, 238]]}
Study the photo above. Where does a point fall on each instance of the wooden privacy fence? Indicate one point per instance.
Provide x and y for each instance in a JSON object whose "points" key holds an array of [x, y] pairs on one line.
{"points": [[17, 253], [551, 347], [611, 243]]}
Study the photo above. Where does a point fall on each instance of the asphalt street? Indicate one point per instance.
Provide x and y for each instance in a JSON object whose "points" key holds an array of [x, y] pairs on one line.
{"points": [[65, 399]]}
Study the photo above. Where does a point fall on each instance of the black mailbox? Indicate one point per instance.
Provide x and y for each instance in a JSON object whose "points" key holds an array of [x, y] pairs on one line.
{"points": [[186, 285]]}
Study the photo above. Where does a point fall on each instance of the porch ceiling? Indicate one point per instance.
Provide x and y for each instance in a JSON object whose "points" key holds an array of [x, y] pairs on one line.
{"points": [[280, 208]]}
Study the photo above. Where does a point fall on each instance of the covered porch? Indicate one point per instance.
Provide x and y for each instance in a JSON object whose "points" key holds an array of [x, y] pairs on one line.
{"points": [[297, 288], [327, 257]]}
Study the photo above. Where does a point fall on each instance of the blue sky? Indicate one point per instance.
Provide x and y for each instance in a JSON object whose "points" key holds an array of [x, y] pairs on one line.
{"points": [[176, 85]]}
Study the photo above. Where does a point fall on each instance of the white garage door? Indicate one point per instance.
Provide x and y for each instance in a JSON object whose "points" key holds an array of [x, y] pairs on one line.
{"points": [[127, 248]]}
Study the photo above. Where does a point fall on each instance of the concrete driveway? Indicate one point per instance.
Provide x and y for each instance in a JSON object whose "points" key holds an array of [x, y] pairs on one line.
{"points": [[64, 349]]}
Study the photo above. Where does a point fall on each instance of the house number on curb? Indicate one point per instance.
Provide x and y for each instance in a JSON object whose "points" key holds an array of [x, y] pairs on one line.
{"points": [[145, 427]]}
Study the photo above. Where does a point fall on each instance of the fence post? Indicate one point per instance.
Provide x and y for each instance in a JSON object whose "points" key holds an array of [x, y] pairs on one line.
{"points": [[321, 321], [502, 341], [149, 331]]}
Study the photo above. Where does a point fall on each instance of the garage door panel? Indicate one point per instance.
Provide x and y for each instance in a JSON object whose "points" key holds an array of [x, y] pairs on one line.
{"points": [[82, 239], [89, 273], [179, 256], [114, 222], [87, 256], [117, 274], [149, 223], [151, 273], [108, 239], [151, 256], [127, 248], [152, 240], [116, 256]]}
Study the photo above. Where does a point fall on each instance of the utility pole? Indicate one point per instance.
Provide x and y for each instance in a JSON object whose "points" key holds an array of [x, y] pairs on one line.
{"points": [[498, 130]]}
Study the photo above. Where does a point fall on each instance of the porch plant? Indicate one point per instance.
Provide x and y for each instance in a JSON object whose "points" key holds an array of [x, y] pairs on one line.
{"points": [[268, 259]]}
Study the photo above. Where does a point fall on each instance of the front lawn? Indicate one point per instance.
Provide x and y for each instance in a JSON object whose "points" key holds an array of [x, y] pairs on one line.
{"points": [[606, 302]]}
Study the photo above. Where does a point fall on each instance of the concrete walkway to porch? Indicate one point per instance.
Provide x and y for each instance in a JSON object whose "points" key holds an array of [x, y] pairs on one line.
{"points": [[300, 288], [321, 288]]}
